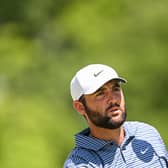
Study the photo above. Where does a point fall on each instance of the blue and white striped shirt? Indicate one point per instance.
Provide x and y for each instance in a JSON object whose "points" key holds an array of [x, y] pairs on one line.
{"points": [[142, 148]]}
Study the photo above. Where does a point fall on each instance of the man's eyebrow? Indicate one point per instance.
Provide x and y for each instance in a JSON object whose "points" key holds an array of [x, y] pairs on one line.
{"points": [[117, 84]]}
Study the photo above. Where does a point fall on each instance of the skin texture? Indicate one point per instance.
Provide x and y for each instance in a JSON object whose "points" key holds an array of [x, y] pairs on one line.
{"points": [[104, 111]]}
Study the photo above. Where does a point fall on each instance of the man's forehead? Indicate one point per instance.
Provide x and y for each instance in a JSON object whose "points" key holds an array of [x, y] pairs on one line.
{"points": [[112, 82]]}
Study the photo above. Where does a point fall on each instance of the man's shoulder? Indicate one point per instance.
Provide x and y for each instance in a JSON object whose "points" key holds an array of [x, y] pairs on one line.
{"points": [[73, 158], [137, 127], [80, 157], [137, 123]]}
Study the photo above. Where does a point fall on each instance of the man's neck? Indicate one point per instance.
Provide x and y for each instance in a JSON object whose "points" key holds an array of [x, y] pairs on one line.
{"points": [[116, 135]]}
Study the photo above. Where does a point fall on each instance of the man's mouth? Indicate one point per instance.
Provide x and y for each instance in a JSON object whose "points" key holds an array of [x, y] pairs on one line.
{"points": [[113, 107], [114, 111]]}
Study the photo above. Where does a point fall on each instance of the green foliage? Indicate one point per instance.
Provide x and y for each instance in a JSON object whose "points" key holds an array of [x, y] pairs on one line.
{"points": [[44, 43]]}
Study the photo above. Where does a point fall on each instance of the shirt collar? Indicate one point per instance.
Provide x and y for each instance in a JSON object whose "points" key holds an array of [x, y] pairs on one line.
{"points": [[83, 140]]}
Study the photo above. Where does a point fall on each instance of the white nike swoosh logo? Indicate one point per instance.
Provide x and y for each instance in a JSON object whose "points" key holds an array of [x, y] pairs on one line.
{"points": [[143, 151], [98, 73]]}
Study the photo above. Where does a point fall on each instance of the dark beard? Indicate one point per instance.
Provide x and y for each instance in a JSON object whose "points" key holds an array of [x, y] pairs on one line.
{"points": [[104, 121]]}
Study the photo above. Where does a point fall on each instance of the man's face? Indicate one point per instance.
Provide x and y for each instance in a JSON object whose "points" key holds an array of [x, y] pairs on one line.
{"points": [[106, 107]]}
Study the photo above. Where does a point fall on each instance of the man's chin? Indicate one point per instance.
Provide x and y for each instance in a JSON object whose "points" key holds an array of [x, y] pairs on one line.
{"points": [[112, 125], [116, 123]]}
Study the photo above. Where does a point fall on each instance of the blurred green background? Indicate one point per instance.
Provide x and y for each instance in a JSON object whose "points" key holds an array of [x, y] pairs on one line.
{"points": [[42, 45]]}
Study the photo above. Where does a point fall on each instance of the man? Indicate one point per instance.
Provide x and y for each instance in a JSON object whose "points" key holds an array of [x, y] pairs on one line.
{"points": [[110, 141]]}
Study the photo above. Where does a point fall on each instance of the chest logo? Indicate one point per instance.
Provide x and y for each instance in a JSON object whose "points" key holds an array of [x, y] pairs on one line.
{"points": [[143, 151]]}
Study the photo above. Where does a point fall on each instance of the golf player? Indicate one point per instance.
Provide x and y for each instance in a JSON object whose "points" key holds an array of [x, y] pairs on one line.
{"points": [[110, 141]]}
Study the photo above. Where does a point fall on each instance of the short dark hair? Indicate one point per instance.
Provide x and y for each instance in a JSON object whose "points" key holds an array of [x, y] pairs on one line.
{"points": [[82, 100]]}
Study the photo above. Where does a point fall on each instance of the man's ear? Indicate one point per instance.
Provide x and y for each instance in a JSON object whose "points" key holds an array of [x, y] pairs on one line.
{"points": [[79, 107]]}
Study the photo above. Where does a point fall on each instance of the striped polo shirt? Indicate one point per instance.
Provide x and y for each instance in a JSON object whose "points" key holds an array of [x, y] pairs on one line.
{"points": [[142, 148]]}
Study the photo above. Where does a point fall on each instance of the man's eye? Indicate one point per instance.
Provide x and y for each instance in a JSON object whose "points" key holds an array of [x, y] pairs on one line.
{"points": [[117, 89], [100, 94]]}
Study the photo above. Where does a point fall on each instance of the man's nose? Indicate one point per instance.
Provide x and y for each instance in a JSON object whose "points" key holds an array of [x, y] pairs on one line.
{"points": [[112, 98]]}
